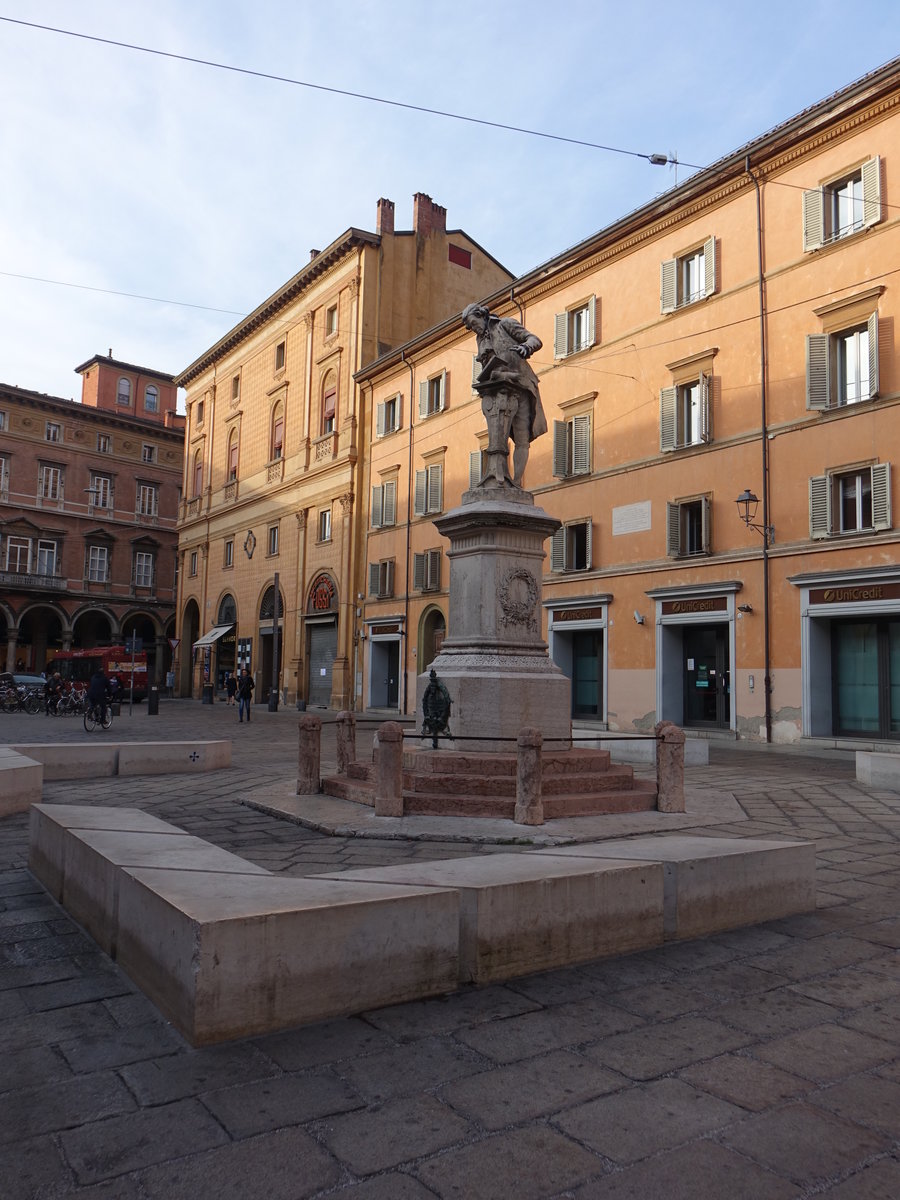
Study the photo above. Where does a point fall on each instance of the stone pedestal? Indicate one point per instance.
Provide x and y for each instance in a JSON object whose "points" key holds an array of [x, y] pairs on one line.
{"points": [[494, 663]]}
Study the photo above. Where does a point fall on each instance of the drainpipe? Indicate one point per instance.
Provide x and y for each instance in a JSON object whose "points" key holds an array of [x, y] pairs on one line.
{"points": [[518, 304], [409, 502], [767, 675]]}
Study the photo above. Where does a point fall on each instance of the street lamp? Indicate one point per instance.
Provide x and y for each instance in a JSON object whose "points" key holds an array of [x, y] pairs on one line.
{"points": [[747, 504]]}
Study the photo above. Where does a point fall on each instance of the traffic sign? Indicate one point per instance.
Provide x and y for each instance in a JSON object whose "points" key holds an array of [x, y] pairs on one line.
{"points": [[174, 643]]}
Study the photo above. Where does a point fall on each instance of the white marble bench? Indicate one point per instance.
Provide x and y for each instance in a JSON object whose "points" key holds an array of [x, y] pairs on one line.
{"points": [[878, 769], [21, 779]]}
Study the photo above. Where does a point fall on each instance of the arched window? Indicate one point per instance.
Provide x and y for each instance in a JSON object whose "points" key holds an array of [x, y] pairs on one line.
{"points": [[329, 402], [123, 392], [151, 398], [277, 447], [198, 472], [232, 455]]}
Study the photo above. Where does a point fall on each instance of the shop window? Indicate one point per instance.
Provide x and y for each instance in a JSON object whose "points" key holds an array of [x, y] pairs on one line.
{"points": [[688, 278], [572, 446], [433, 395], [427, 571], [571, 547], [388, 416], [684, 414], [384, 504], [842, 207], [575, 329], [687, 527], [854, 500], [429, 493], [842, 367], [381, 578]]}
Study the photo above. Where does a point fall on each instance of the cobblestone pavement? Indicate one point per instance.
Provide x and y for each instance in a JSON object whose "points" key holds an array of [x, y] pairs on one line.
{"points": [[755, 1064]]}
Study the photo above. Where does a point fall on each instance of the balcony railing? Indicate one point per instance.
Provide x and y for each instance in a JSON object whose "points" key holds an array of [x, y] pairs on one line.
{"points": [[275, 471], [53, 583], [229, 494]]}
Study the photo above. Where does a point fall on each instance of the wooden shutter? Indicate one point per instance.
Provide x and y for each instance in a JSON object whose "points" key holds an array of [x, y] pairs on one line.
{"points": [[709, 266], [421, 493], [476, 370], [813, 219], [673, 530], [389, 577], [561, 335], [881, 496], [668, 429], [442, 392], [379, 420], [588, 546], [419, 572], [705, 393], [581, 443], [592, 321], [818, 371], [560, 447], [668, 285], [474, 468], [819, 506], [433, 570], [872, 325], [377, 507], [389, 513], [558, 550], [435, 499], [705, 510], [423, 399], [871, 191], [374, 578]]}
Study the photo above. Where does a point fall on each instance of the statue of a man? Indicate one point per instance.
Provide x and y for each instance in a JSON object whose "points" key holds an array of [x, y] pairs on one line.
{"points": [[508, 388]]}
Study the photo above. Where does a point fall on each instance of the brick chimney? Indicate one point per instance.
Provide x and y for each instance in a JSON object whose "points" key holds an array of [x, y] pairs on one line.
{"points": [[384, 216], [428, 217], [314, 254]]}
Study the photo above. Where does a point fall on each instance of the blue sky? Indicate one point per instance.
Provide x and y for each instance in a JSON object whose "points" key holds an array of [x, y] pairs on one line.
{"points": [[131, 172]]}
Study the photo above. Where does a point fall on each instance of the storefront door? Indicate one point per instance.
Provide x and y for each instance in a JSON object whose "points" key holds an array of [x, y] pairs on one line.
{"points": [[707, 678], [587, 651], [865, 658]]}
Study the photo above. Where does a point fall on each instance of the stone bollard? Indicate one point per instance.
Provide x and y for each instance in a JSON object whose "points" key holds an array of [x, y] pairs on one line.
{"points": [[529, 805], [669, 767], [346, 740], [389, 771], [309, 779]]}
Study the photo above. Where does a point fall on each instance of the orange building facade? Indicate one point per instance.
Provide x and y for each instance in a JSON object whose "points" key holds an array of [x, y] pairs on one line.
{"points": [[733, 339], [270, 526]]}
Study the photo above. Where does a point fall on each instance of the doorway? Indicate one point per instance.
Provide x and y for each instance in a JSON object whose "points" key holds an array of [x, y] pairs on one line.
{"points": [[587, 653], [707, 676], [385, 684], [865, 658]]}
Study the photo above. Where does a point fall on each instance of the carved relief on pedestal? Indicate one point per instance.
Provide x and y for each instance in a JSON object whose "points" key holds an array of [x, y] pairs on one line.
{"points": [[518, 595]]}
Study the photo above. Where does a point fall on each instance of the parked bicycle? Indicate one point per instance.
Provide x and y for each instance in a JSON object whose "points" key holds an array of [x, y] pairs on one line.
{"points": [[94, 717], [20, 699]]}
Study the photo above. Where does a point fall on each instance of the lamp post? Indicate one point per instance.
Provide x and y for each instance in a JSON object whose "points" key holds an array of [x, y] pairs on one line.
{"points": [[747, 504]]}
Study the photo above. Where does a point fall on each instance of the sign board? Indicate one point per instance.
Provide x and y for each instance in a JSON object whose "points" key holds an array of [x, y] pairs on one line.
{"points": [[134, 645]]}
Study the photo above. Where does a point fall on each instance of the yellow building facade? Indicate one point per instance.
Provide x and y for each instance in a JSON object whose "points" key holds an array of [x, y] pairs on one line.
{"points": [[733, 339], [270, 524]]}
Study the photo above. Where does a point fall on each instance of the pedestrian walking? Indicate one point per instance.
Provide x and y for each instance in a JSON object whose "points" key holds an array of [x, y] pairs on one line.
{"points": [[231, 686], [244, 694]]}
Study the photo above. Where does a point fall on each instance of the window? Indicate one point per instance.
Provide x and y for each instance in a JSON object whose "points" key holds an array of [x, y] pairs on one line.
{"points": [[381, 578], [575, 329], [104, 443], [232, 456], [329, 404], [850, 501], [18, 555], [572, 446], [477, 467], [843, 206], [53, 432], [192, 570], [429, 494], [228, 557], [331, 320], [235, 389], [571, 547], [688, 278], [388, 416], [277, 447], [46, 558], [96, 567], [148, 453], [147, 500], [51, 483], [687, 527], [324, 527], [4, 421], [384, 504], [427, 571], [143, 569], [433, 395], [101, 492], [842, 368], [279, 356], [198, 473], [684, 414], [198, 412], [123, 392], [272, 540], [151, 398], [4, 479]]}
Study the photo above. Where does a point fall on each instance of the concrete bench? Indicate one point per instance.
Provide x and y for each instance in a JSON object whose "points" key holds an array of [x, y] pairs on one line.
{"points": [[713, 884], [520, 913], [878, 769], [91, 760], [21, 779]]}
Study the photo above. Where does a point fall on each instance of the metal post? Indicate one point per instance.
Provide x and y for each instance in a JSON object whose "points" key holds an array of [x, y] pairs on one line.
{"points": [[276, 613]]}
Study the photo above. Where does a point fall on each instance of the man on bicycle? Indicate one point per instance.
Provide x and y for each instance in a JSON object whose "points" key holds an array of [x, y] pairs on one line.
{"points": [[98, 692]]}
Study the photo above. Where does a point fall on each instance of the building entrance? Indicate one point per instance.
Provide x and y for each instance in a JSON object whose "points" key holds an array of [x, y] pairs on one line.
{"points": [[587, 654], [707, 677], [865, 658], [385, 678]]}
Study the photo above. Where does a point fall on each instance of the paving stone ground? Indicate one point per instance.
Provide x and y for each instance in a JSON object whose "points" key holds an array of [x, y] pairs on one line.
{"points": [[757, 1064]]}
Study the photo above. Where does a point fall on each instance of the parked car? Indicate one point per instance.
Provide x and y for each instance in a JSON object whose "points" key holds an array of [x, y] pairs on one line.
{"points": [[29, 681]]}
